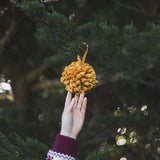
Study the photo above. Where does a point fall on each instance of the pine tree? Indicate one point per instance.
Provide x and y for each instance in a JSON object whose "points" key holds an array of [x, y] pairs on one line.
{"points": [[17, 148], [123, 39]]}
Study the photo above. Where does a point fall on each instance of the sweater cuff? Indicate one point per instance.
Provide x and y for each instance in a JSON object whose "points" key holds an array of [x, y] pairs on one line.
{"points": [[65, 145]]}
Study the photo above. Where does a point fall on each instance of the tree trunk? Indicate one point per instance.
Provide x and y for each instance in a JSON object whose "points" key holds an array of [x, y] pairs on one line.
{"points": [[13, 68], [22, 97], [21, 90]]}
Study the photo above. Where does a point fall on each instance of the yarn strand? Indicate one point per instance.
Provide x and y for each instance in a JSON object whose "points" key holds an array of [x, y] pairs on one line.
{"points": [[84, 56]]}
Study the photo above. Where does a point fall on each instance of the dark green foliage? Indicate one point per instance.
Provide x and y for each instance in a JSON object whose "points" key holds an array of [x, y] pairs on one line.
{"points": [[124, 49], [139, 129], [17, 148], [95, 155], [49, 31], [125, 52]]}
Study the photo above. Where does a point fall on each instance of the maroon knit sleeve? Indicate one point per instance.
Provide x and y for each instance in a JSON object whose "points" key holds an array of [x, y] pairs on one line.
{"points": [[64, 148]]}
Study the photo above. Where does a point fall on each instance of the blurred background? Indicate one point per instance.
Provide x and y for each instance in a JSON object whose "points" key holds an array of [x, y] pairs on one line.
{"points": [[38, 38]]}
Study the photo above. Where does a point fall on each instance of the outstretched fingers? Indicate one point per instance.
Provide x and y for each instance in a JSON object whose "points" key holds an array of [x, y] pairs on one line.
{"points": [[84, 105], [80, 101], [76, 97], [71, 105], [68, 99]]}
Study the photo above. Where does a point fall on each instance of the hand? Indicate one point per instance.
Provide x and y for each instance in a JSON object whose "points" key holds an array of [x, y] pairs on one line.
{"points": [[73, 115]]}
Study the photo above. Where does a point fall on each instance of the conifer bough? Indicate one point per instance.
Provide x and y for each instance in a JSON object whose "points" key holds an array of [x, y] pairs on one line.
{"points": [[79, 76]]}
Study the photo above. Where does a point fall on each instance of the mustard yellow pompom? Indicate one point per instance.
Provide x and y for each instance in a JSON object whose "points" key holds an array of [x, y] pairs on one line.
{"points": [[79, 76]]}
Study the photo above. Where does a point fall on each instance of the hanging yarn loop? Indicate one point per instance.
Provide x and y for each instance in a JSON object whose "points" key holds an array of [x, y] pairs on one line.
{"points": [[85, 54], [79, 76]]}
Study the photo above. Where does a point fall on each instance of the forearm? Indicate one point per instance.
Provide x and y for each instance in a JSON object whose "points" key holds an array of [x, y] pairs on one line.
{"points": [[65, 148]]}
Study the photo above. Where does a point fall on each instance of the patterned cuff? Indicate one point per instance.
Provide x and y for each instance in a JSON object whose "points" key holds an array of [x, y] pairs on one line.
{"points": [[64, 148], [58, 156]]}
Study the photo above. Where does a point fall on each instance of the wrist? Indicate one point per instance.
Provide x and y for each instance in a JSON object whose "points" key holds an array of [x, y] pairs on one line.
{"points": [[68, 134], [73, 135]]}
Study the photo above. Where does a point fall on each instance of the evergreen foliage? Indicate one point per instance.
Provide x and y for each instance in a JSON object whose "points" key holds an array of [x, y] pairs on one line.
{"points": [[124, 49], [17, 148], [129, 133], [112, 50]]}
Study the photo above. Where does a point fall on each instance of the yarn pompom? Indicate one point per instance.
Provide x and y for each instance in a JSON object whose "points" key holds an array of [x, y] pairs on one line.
{"points": [[79, 76]]}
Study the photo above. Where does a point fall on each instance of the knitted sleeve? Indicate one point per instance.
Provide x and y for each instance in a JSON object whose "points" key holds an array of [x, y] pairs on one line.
{"points": [[65, 148]]}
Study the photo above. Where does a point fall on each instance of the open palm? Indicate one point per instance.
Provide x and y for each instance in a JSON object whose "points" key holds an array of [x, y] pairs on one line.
{"points": [[73, 115]]}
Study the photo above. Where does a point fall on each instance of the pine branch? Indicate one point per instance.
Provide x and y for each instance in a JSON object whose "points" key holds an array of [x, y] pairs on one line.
{"points": [[36, 72], [142, 10], [86, 10], [49, 1], [11, 32], [147, 83], [47, 84]]}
